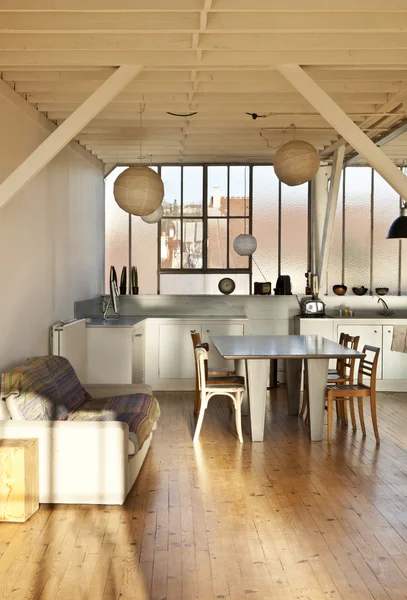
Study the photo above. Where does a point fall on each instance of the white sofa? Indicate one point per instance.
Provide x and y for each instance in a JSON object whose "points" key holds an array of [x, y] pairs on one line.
{"points": [[83, 462]]}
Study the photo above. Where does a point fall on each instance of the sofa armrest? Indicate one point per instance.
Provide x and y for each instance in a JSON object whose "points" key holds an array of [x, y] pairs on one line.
{"points": [[98, 390], [79, 462]]}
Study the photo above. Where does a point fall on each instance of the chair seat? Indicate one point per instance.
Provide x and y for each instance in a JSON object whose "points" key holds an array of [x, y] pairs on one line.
{"points": [[230, 387], [218, 380], [220, 373], [342, 389], [333, 372], [332, 378]]}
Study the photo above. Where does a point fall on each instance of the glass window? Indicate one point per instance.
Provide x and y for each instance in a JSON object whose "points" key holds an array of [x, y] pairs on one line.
{"points": [[171, 177], [294, 234], [385, 252], [217, 192], [170, 244], [116, 231], [192, 183], [192, 236]]}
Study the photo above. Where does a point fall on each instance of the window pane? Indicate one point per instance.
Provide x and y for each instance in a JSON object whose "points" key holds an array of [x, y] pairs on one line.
{"points": [[294, 227], [171, 177], [265, 223], [192, 244], [239, 191], [217, 191], [217, 243], [385, 252], [357, 226], [116, 231], [237, 226], [200, 283], [170, 243], [336, 249], [144, 254], [192, 189]]}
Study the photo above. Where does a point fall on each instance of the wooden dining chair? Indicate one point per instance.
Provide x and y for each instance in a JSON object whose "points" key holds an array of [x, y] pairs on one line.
{"points": [[347, 392], [217, 386], [344, 374], [196, 342]]}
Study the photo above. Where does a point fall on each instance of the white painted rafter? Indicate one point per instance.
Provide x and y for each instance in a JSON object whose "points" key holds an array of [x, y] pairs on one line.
{"points": [[66, 132], [345, 126]]}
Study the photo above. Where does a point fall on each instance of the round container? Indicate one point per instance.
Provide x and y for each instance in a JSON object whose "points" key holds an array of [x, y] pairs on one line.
{"points": [[360, 290], [340, 289], [381, 291], [346, 312]]}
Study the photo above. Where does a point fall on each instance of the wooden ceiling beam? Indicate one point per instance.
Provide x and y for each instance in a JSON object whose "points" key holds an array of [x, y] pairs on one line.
{"points": [[302, 82], [59, 138]]}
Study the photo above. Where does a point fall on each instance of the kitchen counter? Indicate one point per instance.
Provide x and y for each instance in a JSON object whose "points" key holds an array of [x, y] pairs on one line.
{"points": [[128, 321]]}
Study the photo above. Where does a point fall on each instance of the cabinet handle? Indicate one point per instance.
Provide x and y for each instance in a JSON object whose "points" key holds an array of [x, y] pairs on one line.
{"points": [[375, 331], [207, 331], [137, 335], [389, 331]]}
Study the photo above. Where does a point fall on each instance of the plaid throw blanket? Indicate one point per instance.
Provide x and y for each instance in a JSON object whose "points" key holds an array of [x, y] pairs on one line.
{"points": [[139, 411]]}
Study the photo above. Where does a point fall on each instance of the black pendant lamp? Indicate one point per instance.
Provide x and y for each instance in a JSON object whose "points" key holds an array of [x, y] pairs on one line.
{"points": [[398, 229]]}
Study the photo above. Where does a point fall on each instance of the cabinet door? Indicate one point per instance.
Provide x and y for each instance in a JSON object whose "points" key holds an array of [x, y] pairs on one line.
{"points": [[138, 355], [214, 329], [394, 363], [109, 354], [370, 335], [175, 351]]}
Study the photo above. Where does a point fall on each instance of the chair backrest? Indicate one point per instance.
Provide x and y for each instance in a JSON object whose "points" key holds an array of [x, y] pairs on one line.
{"points": [[368, 365], [342, 341], [348, 364], [196, 338], [201, 356]]}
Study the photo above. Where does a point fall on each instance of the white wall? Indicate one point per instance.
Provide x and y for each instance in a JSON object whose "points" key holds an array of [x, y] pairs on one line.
{"points": [[51, 236]]}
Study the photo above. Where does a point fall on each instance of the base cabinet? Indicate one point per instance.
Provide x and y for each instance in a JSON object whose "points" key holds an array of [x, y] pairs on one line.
{"points": [[109, 355], [138, 353], [168, 353], [392, 367]]}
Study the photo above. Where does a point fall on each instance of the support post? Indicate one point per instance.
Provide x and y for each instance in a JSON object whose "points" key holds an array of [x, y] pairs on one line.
{"points": [[67, 131], [344, 125], [330, 213]]}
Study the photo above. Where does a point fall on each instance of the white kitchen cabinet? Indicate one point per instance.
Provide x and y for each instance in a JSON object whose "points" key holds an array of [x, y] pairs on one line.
{"points": [[218, 329], [109, 351], [175, 352], [138, 353], [394, 363], [370, 335]]}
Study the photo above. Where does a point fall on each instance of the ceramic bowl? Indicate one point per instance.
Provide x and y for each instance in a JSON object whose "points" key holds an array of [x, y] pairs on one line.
{"points": [[381, 291], [339, 290], [360, 290]]}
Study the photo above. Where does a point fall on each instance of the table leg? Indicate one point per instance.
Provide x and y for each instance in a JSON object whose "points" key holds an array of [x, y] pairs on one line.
{"points": [[240, 368], [293, 368], [258, 373], [317, 378]]}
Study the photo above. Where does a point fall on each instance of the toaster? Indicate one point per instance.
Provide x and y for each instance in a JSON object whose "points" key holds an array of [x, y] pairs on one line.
{"points": [[313, 308]]}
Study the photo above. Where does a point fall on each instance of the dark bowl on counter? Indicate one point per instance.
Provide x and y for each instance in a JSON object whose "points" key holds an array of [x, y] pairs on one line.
{"points": [[381, 291], [360, 290], [340, 289]]}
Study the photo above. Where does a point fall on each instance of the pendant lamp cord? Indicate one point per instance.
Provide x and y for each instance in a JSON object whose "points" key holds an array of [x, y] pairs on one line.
{"points": [[261, 272], [142, 108]]}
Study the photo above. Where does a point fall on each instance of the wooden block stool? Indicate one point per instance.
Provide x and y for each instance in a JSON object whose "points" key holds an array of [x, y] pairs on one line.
{"points": [[18, 479]]}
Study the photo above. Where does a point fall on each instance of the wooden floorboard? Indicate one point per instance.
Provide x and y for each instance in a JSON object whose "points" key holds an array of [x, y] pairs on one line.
{"points": [[279, 520]]}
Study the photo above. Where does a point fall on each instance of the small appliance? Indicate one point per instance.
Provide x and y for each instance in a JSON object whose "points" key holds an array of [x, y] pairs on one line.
{"points": [[262, 288], [313, 308], [283, 286]]}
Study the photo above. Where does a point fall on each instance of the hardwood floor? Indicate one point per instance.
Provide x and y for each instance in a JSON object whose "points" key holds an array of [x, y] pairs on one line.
{"points": [[279, 520]]}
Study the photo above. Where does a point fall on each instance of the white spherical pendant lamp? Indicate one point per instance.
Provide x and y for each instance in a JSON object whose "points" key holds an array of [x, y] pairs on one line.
{"points": [[155, 216], [296, 162], [244, 244], [139, 190]]}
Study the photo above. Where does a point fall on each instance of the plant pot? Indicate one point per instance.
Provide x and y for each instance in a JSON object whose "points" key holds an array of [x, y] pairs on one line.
{"points": [[134, 290], [123, 290]]}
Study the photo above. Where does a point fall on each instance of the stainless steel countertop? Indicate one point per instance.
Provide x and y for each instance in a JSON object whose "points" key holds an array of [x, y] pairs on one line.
{"points": [[129, 321]]}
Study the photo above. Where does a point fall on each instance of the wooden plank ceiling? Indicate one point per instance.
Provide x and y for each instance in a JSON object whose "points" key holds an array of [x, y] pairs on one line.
{"points": [[213, 57]]}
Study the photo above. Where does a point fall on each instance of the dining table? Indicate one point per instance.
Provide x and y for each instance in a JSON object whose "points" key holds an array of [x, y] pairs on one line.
{"points": [[255, 353]]}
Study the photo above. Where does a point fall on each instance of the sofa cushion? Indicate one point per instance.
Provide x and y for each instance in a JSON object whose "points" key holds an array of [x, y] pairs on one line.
{"points": [[139, 411], [31, 393], [71, 394]]}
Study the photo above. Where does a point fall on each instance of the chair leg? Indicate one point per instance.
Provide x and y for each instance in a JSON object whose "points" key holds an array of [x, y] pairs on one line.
{"points": [[197, 400], [344, 412], [230, 405], [338, 410], [238, 415], [330, 410], [204, 404], [361, 415], [374, 416], [352, 413]]}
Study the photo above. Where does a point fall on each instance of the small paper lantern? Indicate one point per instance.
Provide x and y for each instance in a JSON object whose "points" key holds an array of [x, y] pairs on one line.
{"points": [[296, 162], [139, 190], [156, 216], [244, 244]]}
